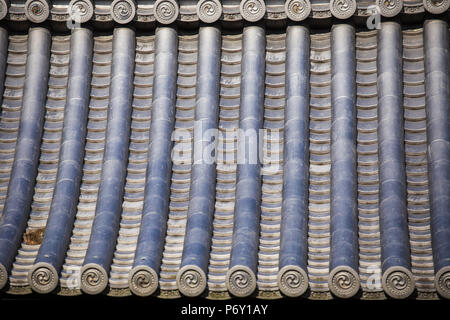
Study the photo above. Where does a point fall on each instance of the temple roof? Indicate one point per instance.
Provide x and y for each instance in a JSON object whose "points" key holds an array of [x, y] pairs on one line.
{"points": [[288, 160]]}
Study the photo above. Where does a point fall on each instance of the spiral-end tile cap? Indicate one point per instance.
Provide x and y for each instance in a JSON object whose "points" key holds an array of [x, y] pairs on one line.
{"points": [[344, 282], [123, 11], [81, 11], [297, 10], [398, 282], [292, 281], [166, 11], [436, 6], [389, 8], [94, 279], [43, 278], [3, 276], [4, 6], [343, 9], [442, 282], [209, 11], [241, 281], [37, 11], [252, 10], [191, 281], [143, 281]]}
